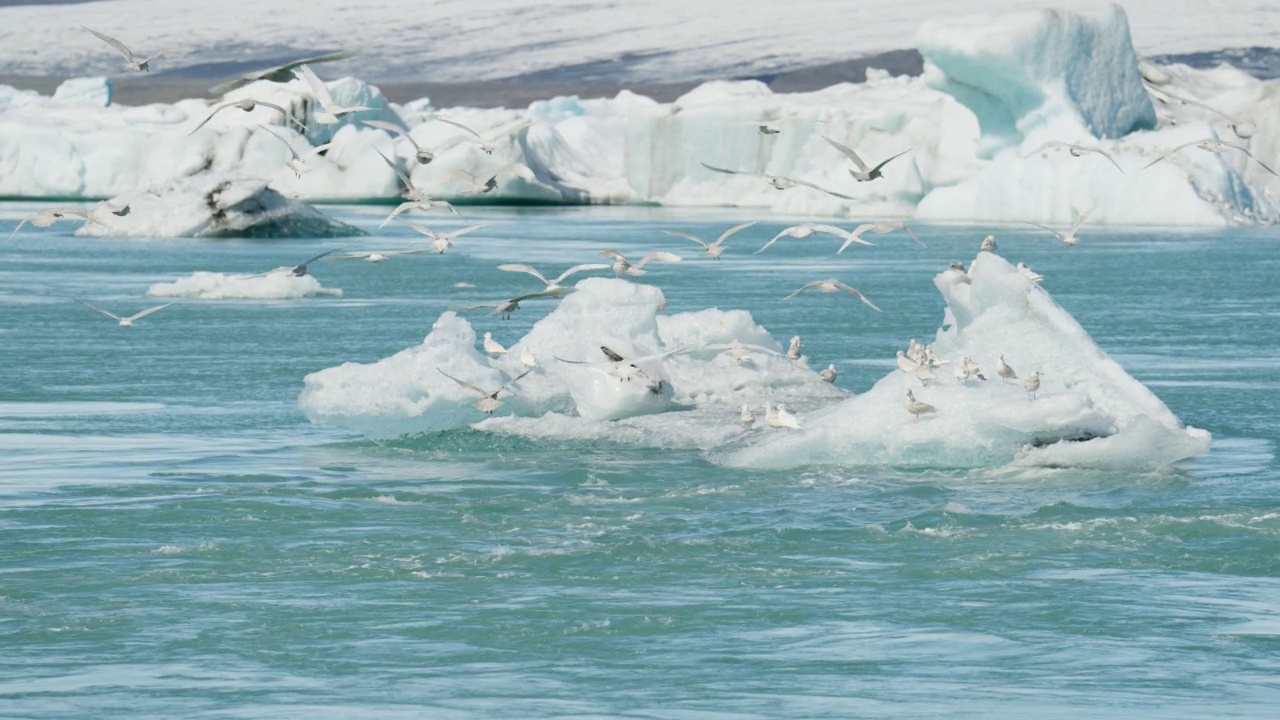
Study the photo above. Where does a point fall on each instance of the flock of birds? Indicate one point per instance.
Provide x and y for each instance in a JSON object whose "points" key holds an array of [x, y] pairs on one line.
{"points": [[917, 360]]}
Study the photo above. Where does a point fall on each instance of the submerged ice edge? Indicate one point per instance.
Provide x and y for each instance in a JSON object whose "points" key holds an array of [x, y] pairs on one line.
{"points": [[992, 129], [1011, 379]]}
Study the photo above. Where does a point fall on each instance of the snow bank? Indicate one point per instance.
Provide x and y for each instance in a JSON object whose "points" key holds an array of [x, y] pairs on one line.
{"points": [[211, 205], [217, 286], [1087, 412], [997, 89]]}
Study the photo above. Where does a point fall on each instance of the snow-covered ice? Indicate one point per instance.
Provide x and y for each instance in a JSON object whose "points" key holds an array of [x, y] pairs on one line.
{"points": [[203, 285]]}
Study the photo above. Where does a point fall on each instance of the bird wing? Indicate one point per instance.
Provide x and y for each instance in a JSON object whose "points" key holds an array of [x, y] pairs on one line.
{"points": [[514, 267], [854, 291], [785, 233], [804, 287], [913, 234], [1045, 227], [353, 256], [612, 253], [209, 117], [687, 236], [457, 124], [1081, 219], [308, 262], [660, 256], [124, 50], [403, 178], [806, 183], [384, 125], [318, 88], [15, 230], [148, 311], [292, 152], [507, 386], [420, 229], [1047, 146], [462, 231], [1170, 153], [830, 230], [280, 73], [287, 115], [726, 171], [108, 313], [889, 159], [577, 269], [1245, 150], [727, 233], [465, 384], [849, 153], [481, 306], [1103, 153]]}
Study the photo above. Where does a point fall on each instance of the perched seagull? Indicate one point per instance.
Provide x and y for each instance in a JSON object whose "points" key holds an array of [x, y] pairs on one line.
{"points": [[863, 172], [784, 419], [126, 321], [377, 256], [49, 216], [622, 266], [1032, 384], [488, 401], [781, 182], [1005, 372], [745, 416], [486, 145], [1029, 274], [924, 374], [968, 369], [828, 375], [506, 307], [493, 347], [988, 244], [421, 154], [1075, 150], [1214, 146], [554, 285], [806, 229], [713, 249], [329, 109], [1069, 237], [831, 285], [794, 348], [131, 63], [441, 241], [917, 407], [279, 74], [527, 358], [248, 105], [906, 364]]}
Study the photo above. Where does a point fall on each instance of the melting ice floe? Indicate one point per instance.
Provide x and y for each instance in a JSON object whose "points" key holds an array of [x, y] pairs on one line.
{"points": [[995, 89], [1088, 412], [217, 286]]}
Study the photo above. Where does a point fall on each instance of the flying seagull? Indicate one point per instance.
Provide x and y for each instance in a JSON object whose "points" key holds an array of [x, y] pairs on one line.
{"points": [[329, 109], [1211, 145], [713, 249], [248, 105], [781, 182], [486, 145], [131, 63], [506, 307], [421, 154], [49, 216], [126, 321], [622, 266], [553, 284], [280, 73], [1068, 238], [1075, 150], [441, 241], [298, 270], [863, 172], [488, 401], [832, 285], [807, 229]]}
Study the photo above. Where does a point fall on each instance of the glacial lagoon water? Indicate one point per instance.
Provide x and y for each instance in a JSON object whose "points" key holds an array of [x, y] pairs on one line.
{"points": [[177, 540]]}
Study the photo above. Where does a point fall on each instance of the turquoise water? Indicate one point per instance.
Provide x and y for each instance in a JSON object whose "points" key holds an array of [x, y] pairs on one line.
{"points": [[179, 541]]}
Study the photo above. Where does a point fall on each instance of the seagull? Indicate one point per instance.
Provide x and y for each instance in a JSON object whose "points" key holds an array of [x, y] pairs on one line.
{"points": [[425, 205], [828, 375], [863, 173], [713, 249], [329, 109], [298, 270], [806, 229], [766, 129], [441, 241], [784, 419], [1029, 274], [421, 154], [493, 347], [131, 63], [411, 192], [49, 216], [506, 307], [527, 358], [1075, 150], [487, 146], [126, 321], [968, 369], [1005, 372], [553, 285], [794, 348], [1069, 237], [881, 228], [917, 407], [924, 374], [248, 105], [297, 163], [988, 244], [906, 364], [1243, 130], [831, 285], [781, 182], [377, 256], [480, 185], [745, 416], [1032, 384], [621, 265], [1214, 146], [279, 74], [488, 401]]}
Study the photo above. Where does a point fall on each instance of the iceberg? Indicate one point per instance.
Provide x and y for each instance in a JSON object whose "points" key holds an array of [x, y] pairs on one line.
{"points": [[212, 205], [218, 286]]}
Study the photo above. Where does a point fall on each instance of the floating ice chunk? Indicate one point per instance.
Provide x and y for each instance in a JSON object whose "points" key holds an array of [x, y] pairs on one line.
{"points": [[92, 91], [217, 286], [213, 205], [1088, 411], [1023, 70]]}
